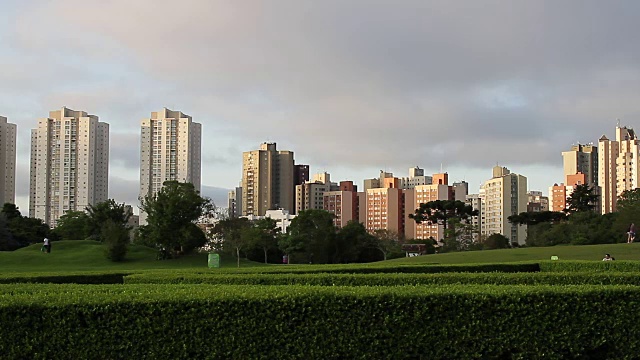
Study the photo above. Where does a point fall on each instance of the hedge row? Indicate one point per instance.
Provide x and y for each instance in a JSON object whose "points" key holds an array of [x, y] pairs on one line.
{"points": [[389, 279], [306, 322], [592, 266], [63, 278], [378, 269]]}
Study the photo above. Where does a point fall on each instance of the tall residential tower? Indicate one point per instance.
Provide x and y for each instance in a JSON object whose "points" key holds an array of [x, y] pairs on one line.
{"points": [[267, 180], [170, 144], [7, 161], [69, 164]]}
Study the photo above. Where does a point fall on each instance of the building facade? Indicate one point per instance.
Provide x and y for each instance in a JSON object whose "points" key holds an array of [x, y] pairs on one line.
{"points": [[344, 204], [423, 194], [385, 209], [267, 180], [8, 138], [505, 194], [69, 164], [170, 150]]}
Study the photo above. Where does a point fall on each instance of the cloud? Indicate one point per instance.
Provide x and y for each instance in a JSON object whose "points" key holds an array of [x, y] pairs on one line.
{"points": [[355, 85]]}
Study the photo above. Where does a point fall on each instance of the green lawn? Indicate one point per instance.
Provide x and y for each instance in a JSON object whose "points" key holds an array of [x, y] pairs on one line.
{"points": [[87, 255], [582, 252]]}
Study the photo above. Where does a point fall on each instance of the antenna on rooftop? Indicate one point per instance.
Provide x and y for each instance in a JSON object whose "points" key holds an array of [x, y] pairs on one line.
{"points": [[618, 122]]}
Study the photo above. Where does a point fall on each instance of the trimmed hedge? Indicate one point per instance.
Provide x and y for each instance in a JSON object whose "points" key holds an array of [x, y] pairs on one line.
{"points": [[62, 278], [379, 269], [592, 266], [307, 322], [389, 279]]}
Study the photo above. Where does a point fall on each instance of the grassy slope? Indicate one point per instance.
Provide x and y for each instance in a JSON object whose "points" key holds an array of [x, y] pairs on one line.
{"points": [[87, 255], [84, 255], [583, 252]]}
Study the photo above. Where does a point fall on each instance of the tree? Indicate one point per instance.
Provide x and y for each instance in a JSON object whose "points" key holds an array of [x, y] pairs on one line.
{"points": [[7, 243], [228, 234], [533, 218], [350, 243], [628, 210], [387, 241], [170, 212], [263, 234], [440, 211], [116, 240], [311, 235], [496, 241], [73, 225], [11, 211], [100, 213], [582, 198]]}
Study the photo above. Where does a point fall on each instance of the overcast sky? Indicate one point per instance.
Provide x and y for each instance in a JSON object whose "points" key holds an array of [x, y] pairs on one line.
{"points": [[352, 87]]}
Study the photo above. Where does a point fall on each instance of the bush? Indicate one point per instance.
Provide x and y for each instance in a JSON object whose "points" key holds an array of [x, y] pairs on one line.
{"points": [[71, 278], [116, 239], [590, 266], [307, 322], [388, 279]]}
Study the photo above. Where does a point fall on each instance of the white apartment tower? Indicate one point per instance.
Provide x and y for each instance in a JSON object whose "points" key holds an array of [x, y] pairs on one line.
{"points": [[505, 194], [69, 164], [170, 149], [618, 168], [7, 161]]}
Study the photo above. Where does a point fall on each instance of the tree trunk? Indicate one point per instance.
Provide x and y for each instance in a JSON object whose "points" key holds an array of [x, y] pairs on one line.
{"points": [[238, 256], [265, 255]]}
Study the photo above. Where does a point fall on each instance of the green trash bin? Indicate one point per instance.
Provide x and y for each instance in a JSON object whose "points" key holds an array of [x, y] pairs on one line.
{"points": [[214, 260]]}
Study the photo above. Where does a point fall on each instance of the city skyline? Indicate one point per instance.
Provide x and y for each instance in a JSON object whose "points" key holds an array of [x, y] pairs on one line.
{"points": [[382, 88]]}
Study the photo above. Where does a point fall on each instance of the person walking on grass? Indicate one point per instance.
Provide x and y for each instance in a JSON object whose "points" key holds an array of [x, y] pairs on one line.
{"points": [[631, 233], [47, 245]]}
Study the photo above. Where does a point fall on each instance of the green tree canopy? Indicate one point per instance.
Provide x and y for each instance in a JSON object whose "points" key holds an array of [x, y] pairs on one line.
{"points": [[229, 235], [311, 236], [100, 213], [583, 198], [533, 218], [171, 214], [440, 211], [73, 225]]}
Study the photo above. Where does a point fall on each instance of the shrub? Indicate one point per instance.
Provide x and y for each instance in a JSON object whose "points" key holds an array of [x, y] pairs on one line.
{"points": [[116, 239], [307, 322]]}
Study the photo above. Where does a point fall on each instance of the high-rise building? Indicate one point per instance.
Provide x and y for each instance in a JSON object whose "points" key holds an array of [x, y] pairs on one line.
{"points": [[267, 180], [170, 150], [385, 209], [559, 194], [234, 204], [343, 203], [310, 195], [69, 164], [505, 194], [475, 201], [536, 202], [618, 166], [416, 178], [423, 194], [460, 190], [300, 174], [7, 161], [582, 159]]}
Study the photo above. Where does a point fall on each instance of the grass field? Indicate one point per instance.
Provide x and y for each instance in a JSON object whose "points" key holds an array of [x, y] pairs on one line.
{"points": [[86, 255]]}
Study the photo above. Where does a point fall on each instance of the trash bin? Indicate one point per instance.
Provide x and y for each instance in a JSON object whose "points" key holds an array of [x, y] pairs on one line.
{"points": [[214, 260]]}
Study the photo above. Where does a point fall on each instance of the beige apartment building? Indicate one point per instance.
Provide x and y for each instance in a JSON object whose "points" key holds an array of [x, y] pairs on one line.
{"points": [[170, 150], [619, 168], [582, 159], [310, 195], [69, 164], [385, 207], [423, 194], [267, 180], [505, 194], [8, 133]]}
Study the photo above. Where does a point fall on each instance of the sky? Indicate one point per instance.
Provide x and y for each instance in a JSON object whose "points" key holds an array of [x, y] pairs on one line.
{"points": [[352, 87]]}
